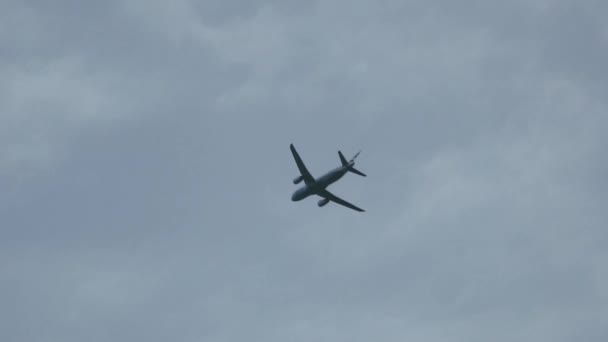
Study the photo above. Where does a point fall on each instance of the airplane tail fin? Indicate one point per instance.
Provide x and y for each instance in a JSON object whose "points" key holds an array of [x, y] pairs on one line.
{"points": [[350, 164]]}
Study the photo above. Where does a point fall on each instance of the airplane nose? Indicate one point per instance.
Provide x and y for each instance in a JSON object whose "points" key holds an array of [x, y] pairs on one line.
{"points": [[293, 197]]}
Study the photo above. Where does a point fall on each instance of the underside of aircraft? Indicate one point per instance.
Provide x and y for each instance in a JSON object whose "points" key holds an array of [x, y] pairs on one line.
{"points": [[318, 186]]}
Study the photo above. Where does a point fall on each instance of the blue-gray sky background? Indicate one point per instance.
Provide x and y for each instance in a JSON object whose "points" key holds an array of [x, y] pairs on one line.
{"points": [[145, 173]]}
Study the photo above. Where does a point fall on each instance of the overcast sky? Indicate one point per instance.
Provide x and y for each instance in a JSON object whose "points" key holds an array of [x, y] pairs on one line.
{"points": [[145, 172]]}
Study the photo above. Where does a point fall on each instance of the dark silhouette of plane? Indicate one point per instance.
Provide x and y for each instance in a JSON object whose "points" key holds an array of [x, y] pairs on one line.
{"points": [[319, 186]]}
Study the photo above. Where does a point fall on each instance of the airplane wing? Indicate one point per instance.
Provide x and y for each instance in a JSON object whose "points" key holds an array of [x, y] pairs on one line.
{"points": [[328, 195], [308, 178]]}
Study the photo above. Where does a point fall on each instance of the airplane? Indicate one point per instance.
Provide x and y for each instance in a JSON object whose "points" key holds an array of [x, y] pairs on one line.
{"points": [[319, 186]]}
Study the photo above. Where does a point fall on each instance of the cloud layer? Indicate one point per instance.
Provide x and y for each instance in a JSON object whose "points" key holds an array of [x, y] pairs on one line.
{"points": [[146, 173]]}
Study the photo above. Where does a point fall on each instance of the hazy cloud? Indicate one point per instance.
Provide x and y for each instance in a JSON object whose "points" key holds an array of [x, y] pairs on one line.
{"points": [[146, 173]]}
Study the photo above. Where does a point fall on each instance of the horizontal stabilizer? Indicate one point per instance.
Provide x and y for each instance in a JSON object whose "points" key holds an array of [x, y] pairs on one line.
{"points": [[355, 171], [342, 159]]}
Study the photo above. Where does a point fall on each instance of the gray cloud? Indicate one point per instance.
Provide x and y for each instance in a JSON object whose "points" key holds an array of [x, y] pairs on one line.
{"points": [[146, 175]]}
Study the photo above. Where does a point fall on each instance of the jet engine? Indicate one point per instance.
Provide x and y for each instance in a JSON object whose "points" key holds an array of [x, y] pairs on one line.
{"points": [[323, 202], [297, 179]]}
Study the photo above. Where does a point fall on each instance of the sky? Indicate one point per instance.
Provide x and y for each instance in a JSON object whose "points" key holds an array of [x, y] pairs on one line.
{"points": [[146, 177]]}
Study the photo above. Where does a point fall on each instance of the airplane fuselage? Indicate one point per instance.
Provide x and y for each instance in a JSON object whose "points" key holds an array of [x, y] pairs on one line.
{"points": [[319, 184]]}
